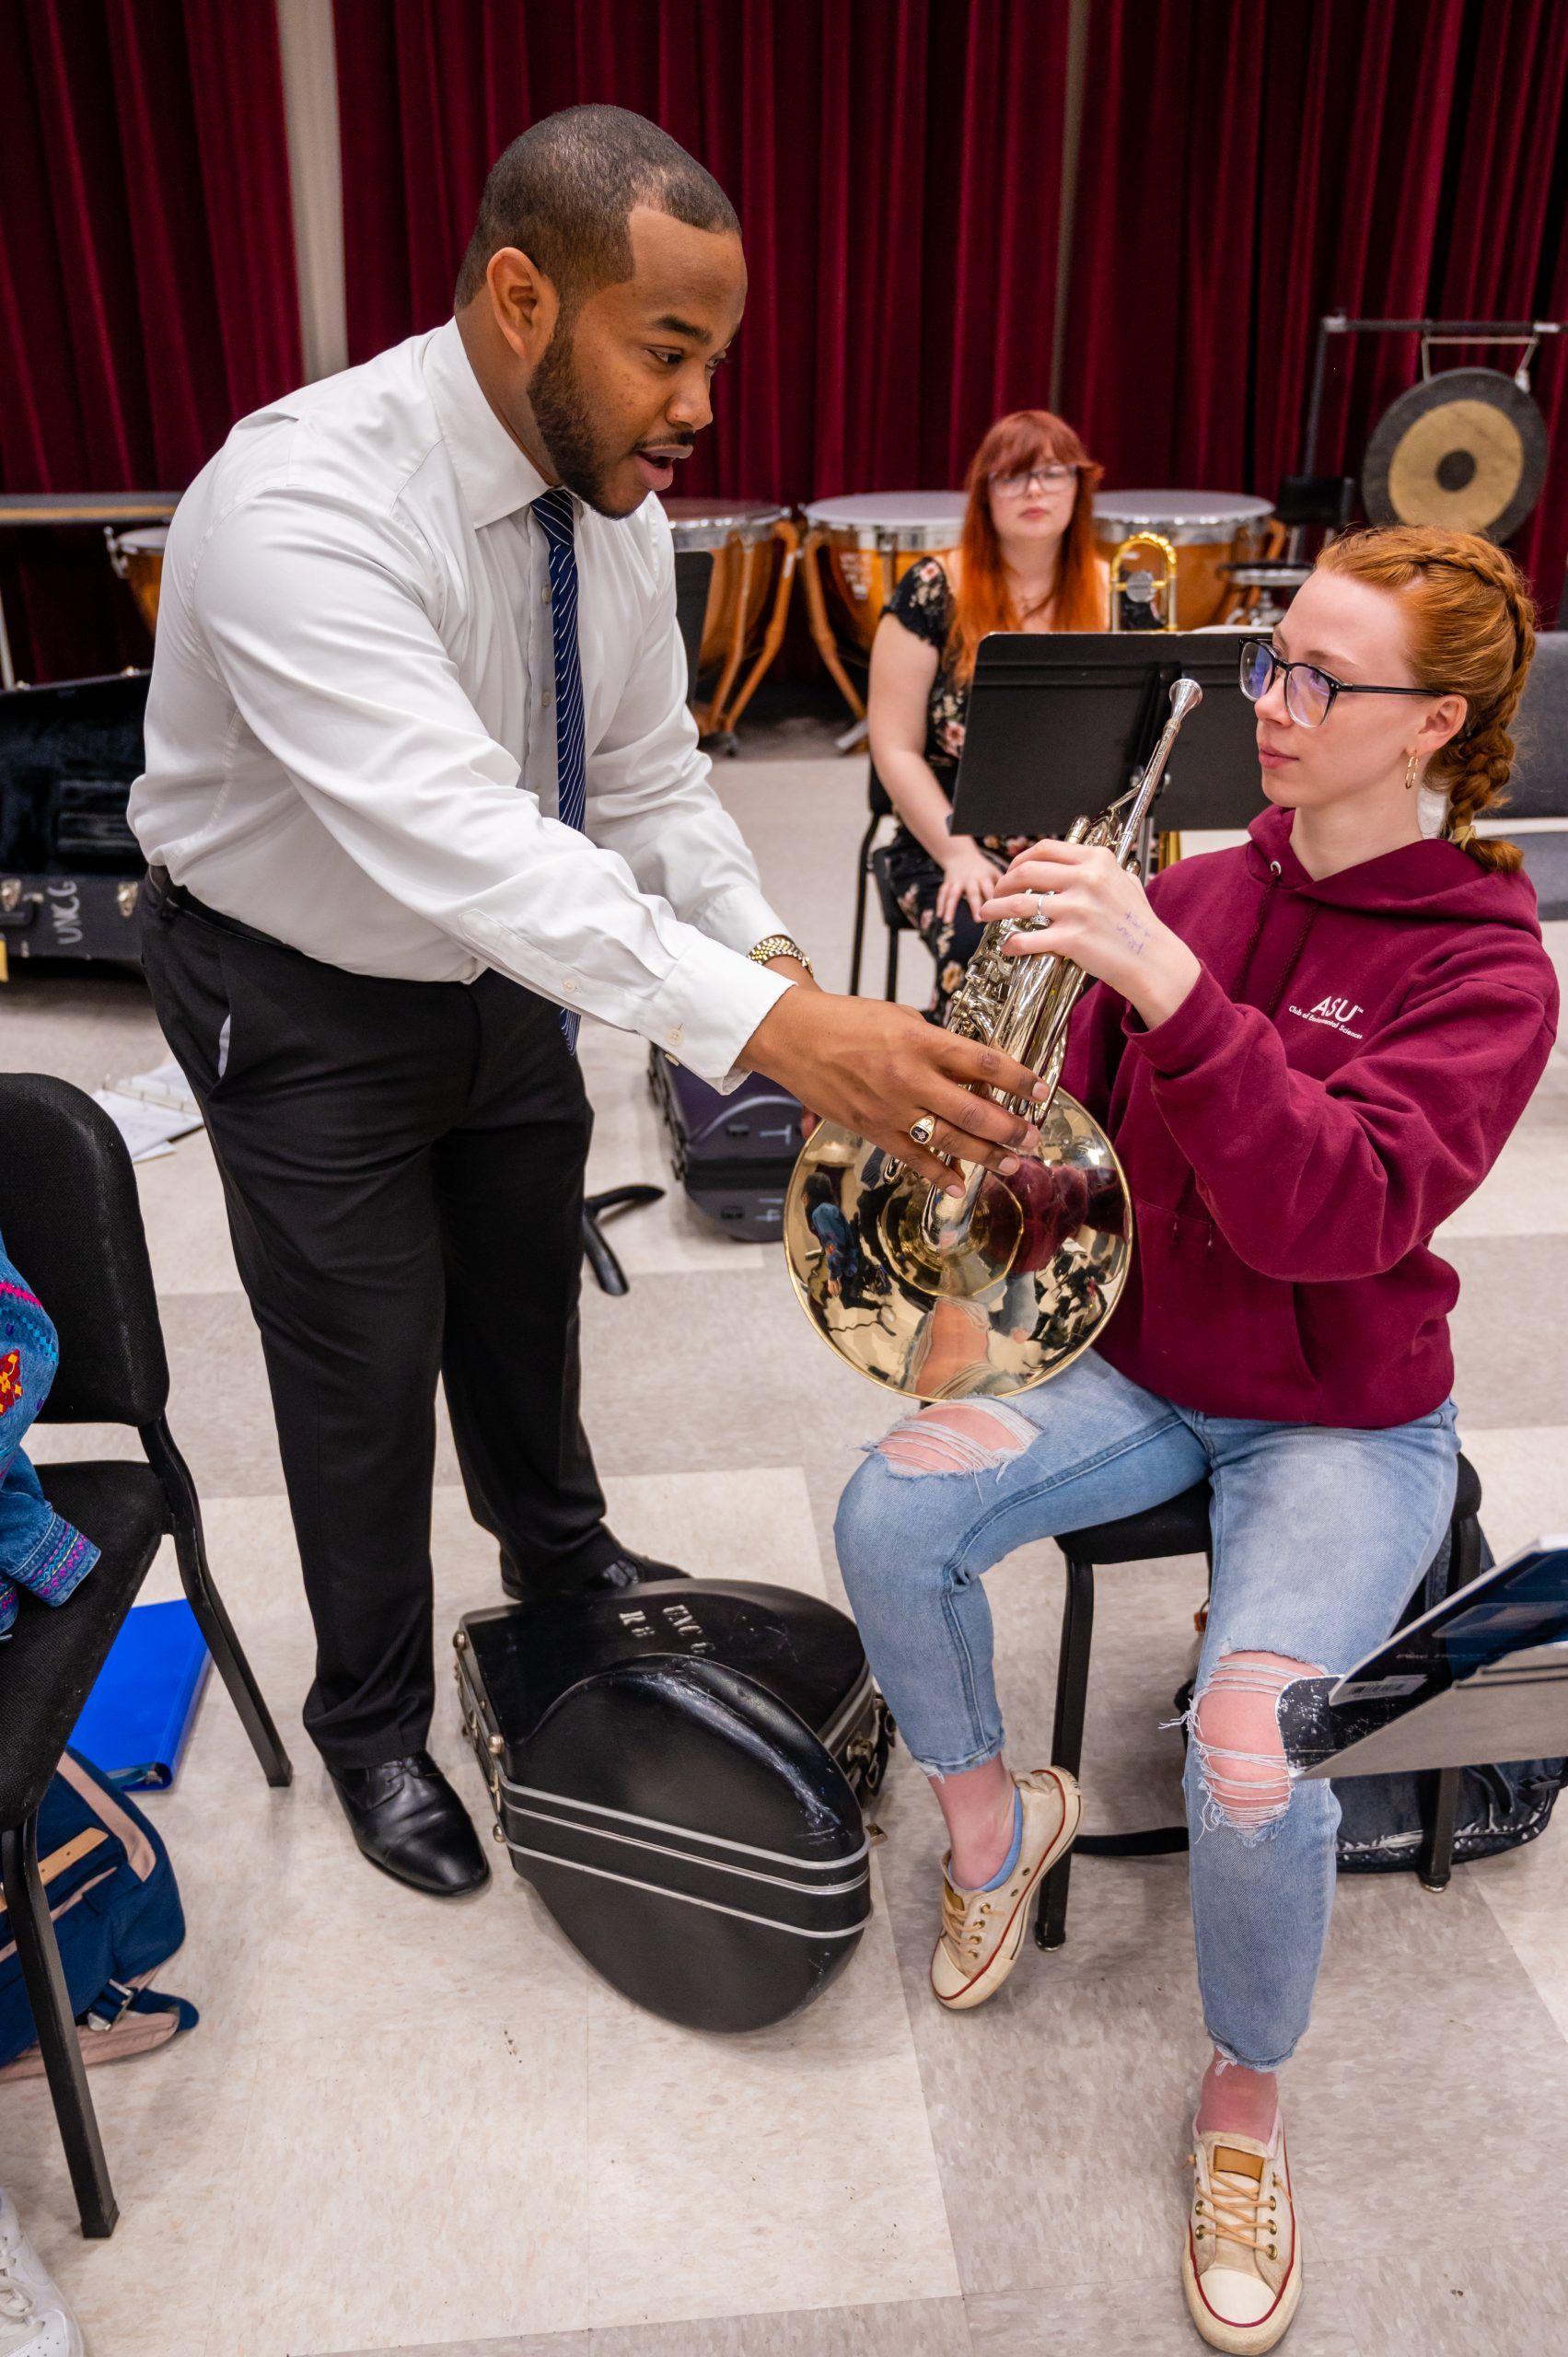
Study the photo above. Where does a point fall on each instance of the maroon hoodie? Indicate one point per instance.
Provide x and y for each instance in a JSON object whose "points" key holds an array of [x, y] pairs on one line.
{"points": [[1339, 1078]]}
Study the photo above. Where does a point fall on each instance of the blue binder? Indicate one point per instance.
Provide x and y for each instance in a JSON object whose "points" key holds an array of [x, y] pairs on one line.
{"points": [[135, 1723]]}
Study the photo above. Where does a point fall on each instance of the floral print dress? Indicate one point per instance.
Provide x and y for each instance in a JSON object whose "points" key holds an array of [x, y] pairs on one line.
{"points": [[923, 604]]}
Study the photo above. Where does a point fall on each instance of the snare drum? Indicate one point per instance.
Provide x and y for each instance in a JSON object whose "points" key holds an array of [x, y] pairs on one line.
{"points": [[865, 543], [1207, 529], [137, 558], [723, 558]]}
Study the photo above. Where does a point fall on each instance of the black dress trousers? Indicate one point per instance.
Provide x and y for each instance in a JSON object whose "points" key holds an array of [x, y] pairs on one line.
{"points": [[403, 1169]]}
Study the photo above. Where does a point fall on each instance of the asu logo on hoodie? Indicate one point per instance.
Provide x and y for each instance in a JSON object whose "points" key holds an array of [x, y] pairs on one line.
{"points": [[1339, 1014]]}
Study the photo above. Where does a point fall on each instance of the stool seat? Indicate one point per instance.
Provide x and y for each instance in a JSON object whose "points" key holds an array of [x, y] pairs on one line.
{"points": [[1180, 1526]]}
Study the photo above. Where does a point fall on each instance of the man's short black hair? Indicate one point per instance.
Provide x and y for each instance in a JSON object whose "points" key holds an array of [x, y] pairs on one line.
{"points": [[562, 194]]}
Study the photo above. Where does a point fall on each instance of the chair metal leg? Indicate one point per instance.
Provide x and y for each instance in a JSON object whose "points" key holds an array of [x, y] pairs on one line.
{"points": [[201, 1593], [894, 937], [1440, 1790], [45, 1983], [1067, 1732], [1440, 1808], [862, 888]]}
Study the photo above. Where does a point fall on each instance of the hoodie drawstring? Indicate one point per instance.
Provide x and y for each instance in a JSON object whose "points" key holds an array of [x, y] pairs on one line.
{"points": [[1265, 900], [1294, 960]]}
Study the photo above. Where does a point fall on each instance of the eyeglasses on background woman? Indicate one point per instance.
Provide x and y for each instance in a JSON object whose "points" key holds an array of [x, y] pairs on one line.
{"points": [[1051, 478]]}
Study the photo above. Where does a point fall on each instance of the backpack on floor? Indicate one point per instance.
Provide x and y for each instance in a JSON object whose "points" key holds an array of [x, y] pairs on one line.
{"points": [[117, 1916], [1500, 1807], [1380, 1826]]}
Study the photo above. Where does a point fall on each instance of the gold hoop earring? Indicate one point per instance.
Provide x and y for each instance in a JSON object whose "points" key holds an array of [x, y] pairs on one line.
{"points": [[1410, 773]]}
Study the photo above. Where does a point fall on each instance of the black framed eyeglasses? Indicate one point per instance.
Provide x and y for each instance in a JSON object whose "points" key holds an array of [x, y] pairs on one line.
{"points": [[1048, 478], [1309, 693]]}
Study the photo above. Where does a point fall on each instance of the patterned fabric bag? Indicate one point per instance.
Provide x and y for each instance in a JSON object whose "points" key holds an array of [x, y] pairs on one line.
{"points": [[39, 1549], [115, 1906]]}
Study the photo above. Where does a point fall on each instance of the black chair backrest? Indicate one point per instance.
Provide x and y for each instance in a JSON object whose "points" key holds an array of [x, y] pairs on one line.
{"points": [[72, 1222], [1329, 500], [1538, 784], [882, 801]]}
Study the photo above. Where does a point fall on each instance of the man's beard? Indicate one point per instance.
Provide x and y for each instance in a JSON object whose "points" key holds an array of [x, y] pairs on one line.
{"points": [[555, 395]]}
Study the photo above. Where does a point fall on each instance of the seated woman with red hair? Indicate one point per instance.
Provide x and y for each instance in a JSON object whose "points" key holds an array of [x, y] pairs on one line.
{"points": [[1026, 561]]}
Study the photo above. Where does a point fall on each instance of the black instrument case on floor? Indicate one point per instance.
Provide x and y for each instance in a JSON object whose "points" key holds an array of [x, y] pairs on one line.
{"points": [[677, 1770], [69, 863], [733, 1155]]}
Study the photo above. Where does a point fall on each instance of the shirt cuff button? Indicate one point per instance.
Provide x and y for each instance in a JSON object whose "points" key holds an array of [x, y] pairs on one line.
{"points": [[569, 984], [674, 1036]]}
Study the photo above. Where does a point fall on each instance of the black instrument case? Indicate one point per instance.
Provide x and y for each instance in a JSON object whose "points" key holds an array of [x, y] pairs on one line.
{"points": [[733, 1155], [678, 1770], [69, 865]]}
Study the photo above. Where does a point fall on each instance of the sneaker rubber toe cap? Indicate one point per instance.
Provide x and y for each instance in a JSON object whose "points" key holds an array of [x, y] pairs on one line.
{"points": [[1236, 2298]]}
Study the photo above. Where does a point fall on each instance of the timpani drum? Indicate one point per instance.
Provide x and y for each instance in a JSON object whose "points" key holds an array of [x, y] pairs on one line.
{"points": [[137, 558], [1208, 530], [732, 598], [856, 550]]}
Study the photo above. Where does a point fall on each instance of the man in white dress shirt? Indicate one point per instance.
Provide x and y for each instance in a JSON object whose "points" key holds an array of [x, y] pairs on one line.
{"points": [[420, 788]]}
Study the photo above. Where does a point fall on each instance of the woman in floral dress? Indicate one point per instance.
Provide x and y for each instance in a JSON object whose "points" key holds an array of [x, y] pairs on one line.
{"points": [[1026, 561]]}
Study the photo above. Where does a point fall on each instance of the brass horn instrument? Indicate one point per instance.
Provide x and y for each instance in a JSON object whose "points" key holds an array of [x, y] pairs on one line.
{"points": [[1120, 578], [938, 1298]]}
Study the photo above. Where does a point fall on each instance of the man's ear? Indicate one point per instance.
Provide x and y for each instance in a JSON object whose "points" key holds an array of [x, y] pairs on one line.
{"points": [[523, 301]]}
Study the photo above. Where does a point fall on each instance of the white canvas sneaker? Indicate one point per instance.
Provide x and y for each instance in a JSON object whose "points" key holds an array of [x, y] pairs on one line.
{"points": [[983, 1930], [34, 2320], [1241, 2260]]}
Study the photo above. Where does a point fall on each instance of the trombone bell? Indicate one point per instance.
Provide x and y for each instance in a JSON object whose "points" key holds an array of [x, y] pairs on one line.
{"points": [[1123, 577]]}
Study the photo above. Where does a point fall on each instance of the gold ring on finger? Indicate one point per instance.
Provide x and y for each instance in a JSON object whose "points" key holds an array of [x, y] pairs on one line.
{"points": [[925, 1129]]}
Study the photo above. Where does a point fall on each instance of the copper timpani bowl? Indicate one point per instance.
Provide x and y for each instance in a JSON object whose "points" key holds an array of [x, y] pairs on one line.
{"points": [[1207, 529], [747, 597]]}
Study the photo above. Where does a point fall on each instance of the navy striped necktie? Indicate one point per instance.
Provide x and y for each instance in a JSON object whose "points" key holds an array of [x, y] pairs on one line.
{"points": [[557, 520]]}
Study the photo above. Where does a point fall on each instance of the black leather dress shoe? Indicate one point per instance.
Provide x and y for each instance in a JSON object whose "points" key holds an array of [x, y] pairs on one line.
{"points": [[410, 1822], [623, 1569]]}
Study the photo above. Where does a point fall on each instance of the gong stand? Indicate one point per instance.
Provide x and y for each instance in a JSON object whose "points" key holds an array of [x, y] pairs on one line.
{"points": [[1530, 335]]}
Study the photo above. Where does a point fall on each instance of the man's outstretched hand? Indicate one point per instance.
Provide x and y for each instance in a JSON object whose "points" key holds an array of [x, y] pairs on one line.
{"points": [[876, 1069]]}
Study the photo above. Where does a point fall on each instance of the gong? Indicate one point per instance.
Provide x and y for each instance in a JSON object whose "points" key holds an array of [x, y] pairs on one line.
{"points": [[1466, 449]]}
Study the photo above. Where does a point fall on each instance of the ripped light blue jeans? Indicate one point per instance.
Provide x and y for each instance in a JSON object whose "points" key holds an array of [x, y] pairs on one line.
{"points": [[1319, 1538]]}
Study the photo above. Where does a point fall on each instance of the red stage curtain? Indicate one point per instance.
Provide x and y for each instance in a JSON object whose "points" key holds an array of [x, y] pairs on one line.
{"points": [[1246, 169], [896, 164], [147, 292]]}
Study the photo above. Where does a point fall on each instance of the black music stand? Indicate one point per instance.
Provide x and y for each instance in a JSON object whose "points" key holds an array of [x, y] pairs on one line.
{"points": [[1481, 1676], [1060, 725]]}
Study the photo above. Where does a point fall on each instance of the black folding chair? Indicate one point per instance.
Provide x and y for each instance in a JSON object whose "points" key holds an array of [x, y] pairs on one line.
{"points": [[72, 1222], [1181, 1526], [870, 867]]}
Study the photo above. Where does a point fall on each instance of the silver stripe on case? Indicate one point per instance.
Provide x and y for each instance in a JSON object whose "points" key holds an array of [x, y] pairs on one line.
{"points": [[689, 1857], [689, 1832], [769, 1922]]}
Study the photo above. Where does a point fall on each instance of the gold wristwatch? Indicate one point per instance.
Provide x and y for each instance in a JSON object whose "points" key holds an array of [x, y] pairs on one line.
{"points": [[781, 945]]}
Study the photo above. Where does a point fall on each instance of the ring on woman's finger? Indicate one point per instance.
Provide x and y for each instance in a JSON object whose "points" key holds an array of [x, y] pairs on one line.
{"points": [[925, 1129], [1040, 917]]}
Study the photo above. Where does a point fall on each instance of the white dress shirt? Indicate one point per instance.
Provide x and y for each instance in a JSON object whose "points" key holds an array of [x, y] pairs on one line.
{"points": [[351, 724]]}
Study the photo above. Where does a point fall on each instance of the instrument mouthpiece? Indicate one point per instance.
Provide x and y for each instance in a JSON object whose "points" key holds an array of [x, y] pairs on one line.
{"points": [[1185, 697]]}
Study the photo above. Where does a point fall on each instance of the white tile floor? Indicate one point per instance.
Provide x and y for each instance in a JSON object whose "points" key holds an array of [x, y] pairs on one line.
{"points": [[404, 2127]]}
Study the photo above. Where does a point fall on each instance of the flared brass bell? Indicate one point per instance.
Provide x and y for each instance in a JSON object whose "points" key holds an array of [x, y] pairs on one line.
{"points": [[1009, 1300], [936, 1298]]}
